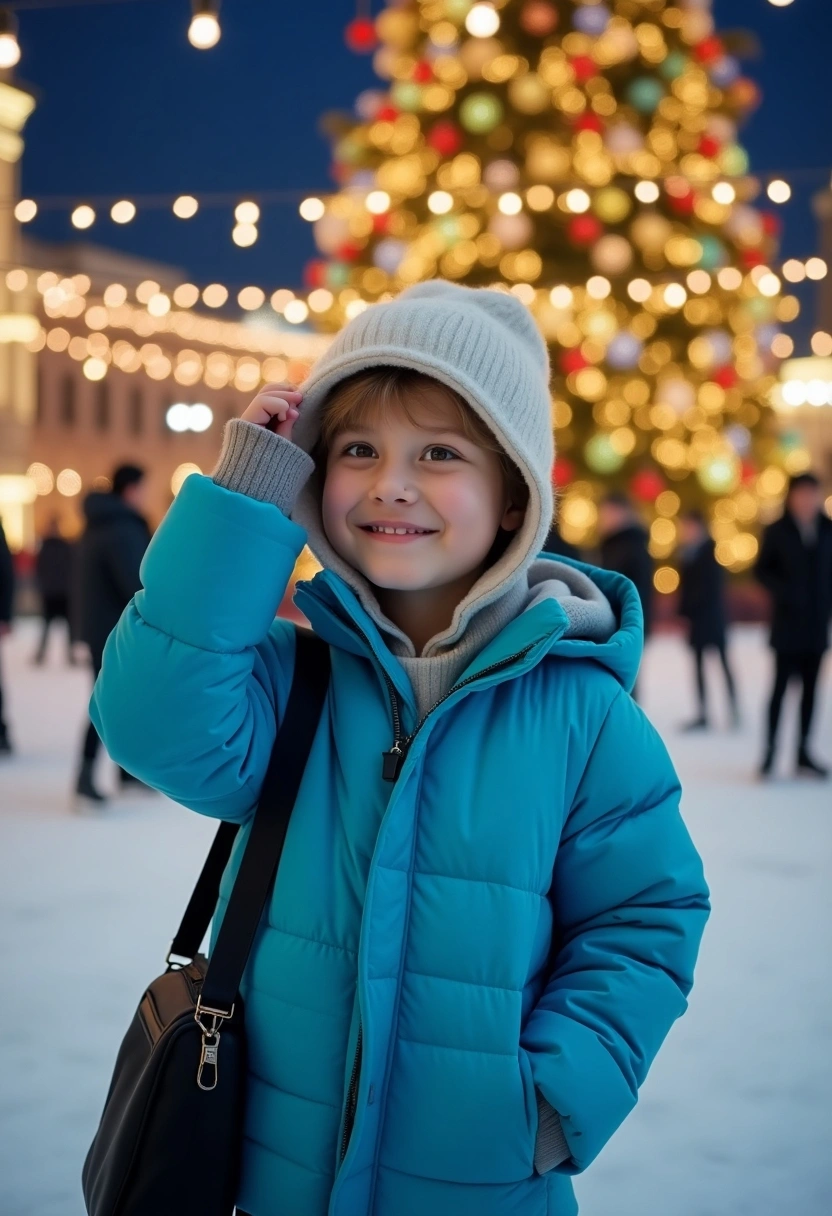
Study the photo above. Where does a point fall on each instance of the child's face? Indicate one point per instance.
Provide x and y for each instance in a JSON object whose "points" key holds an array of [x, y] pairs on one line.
{"points": [[430, 478]]}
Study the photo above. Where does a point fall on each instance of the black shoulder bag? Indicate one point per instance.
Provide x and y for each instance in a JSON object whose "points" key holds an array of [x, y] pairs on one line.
{"points": [[170, 1136]]}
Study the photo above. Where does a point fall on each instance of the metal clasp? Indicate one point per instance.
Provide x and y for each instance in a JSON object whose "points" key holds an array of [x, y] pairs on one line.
{"points": [[208, 1056]]}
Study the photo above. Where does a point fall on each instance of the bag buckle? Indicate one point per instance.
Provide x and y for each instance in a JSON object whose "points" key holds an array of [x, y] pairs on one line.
{"points": [[208, 1072]]}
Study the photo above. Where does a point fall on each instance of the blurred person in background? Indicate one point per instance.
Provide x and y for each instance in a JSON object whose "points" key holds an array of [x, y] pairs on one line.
{"points": [[6, 598], [561, 548], [702, 603], [53, 575], [795, 567], [110, 553], [624, 549]]}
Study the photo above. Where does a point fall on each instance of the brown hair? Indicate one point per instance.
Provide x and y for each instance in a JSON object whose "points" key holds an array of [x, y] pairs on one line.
{"points": [[365, 395]]}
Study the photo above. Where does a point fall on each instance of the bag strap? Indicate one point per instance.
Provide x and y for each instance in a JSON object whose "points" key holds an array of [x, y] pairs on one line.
{"points": [[265, 844]]}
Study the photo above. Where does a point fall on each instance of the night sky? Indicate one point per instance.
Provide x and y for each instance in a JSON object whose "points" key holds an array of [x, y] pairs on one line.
{"points": [[126, 106]]}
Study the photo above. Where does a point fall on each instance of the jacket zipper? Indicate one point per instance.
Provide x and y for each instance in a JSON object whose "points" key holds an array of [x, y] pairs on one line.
{"points": [[352, 1094], [392, 762]]}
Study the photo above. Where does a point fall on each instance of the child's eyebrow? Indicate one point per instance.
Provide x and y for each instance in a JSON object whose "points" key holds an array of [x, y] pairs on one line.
{"points": [[359, 428]]}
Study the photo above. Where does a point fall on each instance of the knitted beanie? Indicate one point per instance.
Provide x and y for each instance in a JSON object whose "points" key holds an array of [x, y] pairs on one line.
{"points": [[485, 345]]}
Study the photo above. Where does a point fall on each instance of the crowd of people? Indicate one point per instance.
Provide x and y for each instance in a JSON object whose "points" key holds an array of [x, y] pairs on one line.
{"points": [[86, 585]]}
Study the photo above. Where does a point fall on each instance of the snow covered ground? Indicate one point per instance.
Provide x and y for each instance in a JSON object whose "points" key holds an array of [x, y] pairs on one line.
{"points": [[731, 1120]]}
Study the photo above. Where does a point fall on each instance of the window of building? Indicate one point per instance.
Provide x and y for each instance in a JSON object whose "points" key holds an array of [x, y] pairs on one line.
{"points": [[102, 406], [135, 411], [67, 401]]}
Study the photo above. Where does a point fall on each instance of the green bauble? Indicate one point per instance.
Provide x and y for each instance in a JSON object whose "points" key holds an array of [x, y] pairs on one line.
{"points": [[480, 113], [337, 275], [406, 95], [674, 65], [713, 252], [645, 93], [601, 456], [733, 160]]}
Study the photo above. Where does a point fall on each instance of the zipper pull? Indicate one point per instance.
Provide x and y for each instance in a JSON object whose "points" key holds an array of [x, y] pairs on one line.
{"points": [[391, 763]]}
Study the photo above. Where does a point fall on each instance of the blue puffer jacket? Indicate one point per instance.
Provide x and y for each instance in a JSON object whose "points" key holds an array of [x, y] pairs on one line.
{"points": [[520, 911]]}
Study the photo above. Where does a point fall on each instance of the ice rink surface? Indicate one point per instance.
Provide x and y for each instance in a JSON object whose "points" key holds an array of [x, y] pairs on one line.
{"points": [[735, 1117]]}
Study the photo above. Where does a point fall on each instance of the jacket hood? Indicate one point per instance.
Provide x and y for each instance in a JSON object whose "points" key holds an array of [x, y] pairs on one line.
{"points": [[561, 595]]}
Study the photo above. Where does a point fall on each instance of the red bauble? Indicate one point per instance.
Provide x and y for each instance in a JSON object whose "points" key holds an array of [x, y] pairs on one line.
{"points": [[538, 18], [445, 138], [387, 113], [725, 377], [647, 485], [744, 94], [590, 122], [584, 230], [563, 471], [709, 50], [751, 258], [360, 35], [682, 204], [572, 361], [314, 273], [423, 72], [381, 222], [584, 68], [708, 146], [348, 252], [772, 224], [749, 471]]}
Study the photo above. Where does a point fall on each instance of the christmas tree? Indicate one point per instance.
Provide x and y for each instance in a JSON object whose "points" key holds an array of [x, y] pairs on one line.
{"points": [[584, 156]]}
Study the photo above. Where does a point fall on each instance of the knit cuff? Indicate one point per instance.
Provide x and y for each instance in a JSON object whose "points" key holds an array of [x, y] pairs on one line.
{"points": [[550, 1147], [262, 465]]}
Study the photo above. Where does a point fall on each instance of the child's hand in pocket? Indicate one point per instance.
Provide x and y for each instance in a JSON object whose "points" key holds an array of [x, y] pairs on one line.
{"points": [[276, 407]]}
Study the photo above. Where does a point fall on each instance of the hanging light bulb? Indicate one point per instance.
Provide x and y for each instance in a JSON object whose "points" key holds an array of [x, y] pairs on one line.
{"points": [[9, 47], [204, 31]]}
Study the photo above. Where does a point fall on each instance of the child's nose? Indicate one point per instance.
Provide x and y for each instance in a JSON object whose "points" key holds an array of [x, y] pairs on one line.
{"points": [[392, 485]]}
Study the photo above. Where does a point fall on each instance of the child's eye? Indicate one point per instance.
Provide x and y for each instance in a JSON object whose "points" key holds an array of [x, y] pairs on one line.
{"points": [[358, 449], [440, 455]]}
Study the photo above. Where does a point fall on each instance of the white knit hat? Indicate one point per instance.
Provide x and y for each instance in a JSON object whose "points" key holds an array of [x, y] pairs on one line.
{"points": [[485, 345]]}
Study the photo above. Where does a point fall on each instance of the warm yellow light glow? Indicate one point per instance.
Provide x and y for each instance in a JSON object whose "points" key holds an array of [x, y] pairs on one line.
{"points": [[251, 298], [296, 312], [83, 216], [779, 191], [646, 192], [482, 21], [185, 207], [41, 475], [94, 369], [666, 580], [311, 209], [147, 289], [186, 295], [578, 201], [440, 202], [9, 49], [377, 202], [204, 31], [320, 300], [794, 271], [215, 295], [510, 203], [25, 210], [768, 285], [561, 296], [281, 298], [822, 343], [699, 281], [675, 295], [247, 212], [723, 192], [782, 346], [598, 288], [540, 198], [159, 304], [729, 278], [180, 474], [115, 295], [244, 235], [17, 280], [639, 290], [123, 212], [69, 483], [816, 269]]}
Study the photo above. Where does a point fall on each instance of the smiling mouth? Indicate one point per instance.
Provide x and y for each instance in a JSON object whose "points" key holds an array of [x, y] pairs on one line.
{"points": [[380, 530]]}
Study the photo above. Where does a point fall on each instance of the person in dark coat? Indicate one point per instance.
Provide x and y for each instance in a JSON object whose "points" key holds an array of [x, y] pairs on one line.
{"points": [[702, 602], [557, 545], [107, 577], [624, 548], [53, 575], [6, 598], [795, 567]]}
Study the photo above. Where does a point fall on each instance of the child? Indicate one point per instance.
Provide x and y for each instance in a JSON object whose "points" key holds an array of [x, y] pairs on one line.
{"points": [[488, 907]]}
